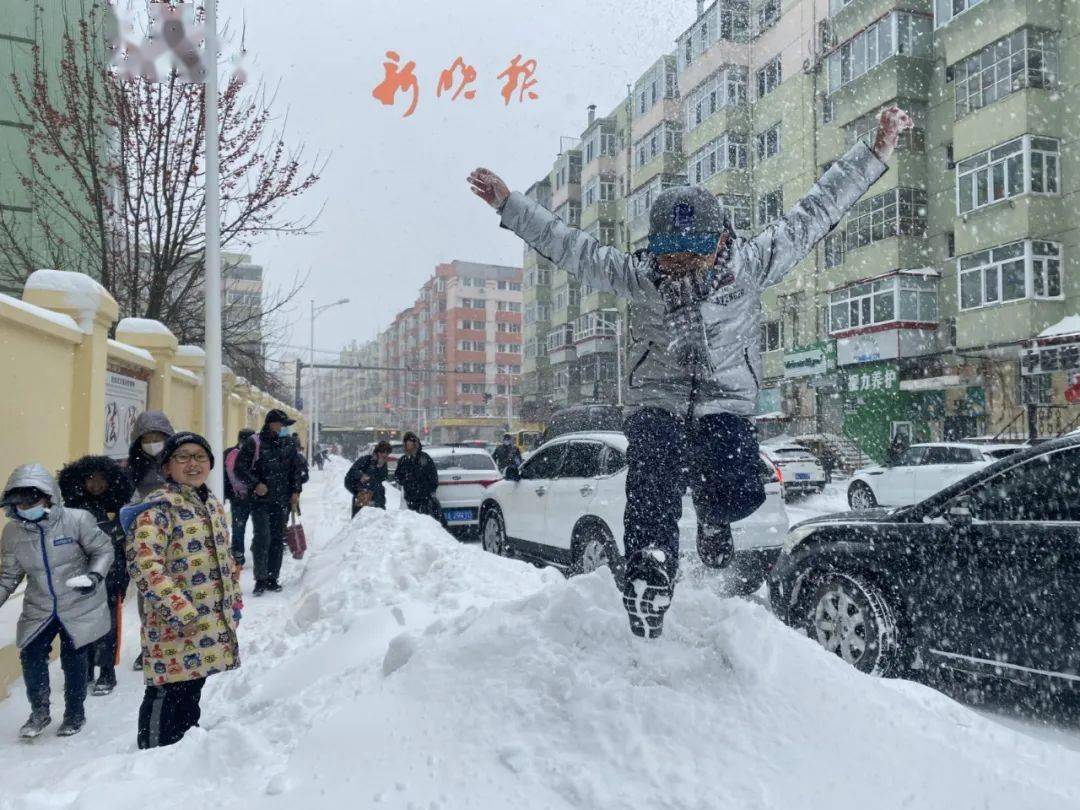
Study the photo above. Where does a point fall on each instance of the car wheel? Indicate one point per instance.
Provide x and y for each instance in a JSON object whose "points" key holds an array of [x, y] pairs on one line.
{"points": [[493, 533], [594, 549], [851, 617], [860, 496]]}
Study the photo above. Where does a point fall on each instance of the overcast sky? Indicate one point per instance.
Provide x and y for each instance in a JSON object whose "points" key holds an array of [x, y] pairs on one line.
{"points": [[396, 198]]}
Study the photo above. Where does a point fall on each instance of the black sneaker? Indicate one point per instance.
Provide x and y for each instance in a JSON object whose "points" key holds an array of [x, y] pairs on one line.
{"points": [[238, 558], [71, 726], [260, 588], [273, 585], [104, 685], [715, 546], [137, 664], [38, 722], [647, 592]]}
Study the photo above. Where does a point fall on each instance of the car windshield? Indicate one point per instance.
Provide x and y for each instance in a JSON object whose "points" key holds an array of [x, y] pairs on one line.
{"points": [[463, 461]]}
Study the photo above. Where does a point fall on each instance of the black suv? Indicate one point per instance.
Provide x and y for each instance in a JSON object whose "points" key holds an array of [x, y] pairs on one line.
{"points": [[982, 577]]}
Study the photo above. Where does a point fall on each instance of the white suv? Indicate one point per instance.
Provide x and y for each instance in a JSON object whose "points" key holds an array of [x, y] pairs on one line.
{"points": [[566, 510], [799, 468], [923, 470]]}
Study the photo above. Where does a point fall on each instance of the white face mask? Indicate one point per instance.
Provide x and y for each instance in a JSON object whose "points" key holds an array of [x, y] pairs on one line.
{"points": [[153, 448]]}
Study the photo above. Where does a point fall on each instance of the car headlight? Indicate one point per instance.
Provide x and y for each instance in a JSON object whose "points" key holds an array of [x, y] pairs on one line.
{"points": [[796, 536]]}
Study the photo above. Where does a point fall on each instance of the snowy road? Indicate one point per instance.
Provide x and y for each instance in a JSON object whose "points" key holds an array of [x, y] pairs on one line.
{"points": [[402, 669]]}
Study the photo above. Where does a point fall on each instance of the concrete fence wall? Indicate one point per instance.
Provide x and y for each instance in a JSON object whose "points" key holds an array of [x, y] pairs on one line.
{"points": [[70, 391]]}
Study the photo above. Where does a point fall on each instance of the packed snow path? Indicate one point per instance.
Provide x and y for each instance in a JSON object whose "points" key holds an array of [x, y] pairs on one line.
{"points": [[402, 669]]}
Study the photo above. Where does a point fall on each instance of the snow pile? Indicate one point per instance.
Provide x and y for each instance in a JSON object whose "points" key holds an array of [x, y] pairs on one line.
{"points": [[403, 669], [57, 318], [142, 326]]}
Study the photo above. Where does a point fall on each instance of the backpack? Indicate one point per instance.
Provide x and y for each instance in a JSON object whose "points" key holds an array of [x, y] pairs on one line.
{"points": [[238, 487]]}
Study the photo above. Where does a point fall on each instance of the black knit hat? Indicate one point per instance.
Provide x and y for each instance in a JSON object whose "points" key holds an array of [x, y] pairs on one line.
{"points": [[173, 443]]}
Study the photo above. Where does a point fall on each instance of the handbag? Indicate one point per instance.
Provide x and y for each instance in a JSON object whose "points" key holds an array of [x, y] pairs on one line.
{"points": [[295, 537]]}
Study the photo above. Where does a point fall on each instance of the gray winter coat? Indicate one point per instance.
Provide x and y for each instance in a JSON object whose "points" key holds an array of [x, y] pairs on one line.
{"points": [[693, 344], [66, 544]]}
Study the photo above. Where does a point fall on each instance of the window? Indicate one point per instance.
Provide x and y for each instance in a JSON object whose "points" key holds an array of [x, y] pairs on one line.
{"points": [[767, 15], [724, 88], [898, 33], [768, 77], [772, 336], [828, 111], [904, 297], [767, 143], [582, 460], [560, 337], [508, 306], [614, 460], [1026, 58], [471, 345], [471, 388], [508, 348], [865, 127], [999, 173], [544, 464], [477, 325], [659, 82], [1001, 274], [663, 139], [737, 207], [512, 328], [770, 207], [718, 155], [945, 10], [834, 249], [897, 212], [594, 324], [1045, 488], [472, 303]]}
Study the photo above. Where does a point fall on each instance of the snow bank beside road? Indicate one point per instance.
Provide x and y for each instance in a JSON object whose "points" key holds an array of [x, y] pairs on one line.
{"points": [[403, 669]]}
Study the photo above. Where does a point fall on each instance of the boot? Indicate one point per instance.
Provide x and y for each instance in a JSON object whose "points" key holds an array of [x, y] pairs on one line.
{"points": [[647, 592], [714, 544], [273, 585], [39, 720], [105, 683], [71, 725], [260, 588]]}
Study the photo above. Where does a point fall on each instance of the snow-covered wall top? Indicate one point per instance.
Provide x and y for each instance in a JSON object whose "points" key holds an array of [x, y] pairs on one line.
{"points": [[190, 351], [142, 326], [47, 314], [135, 351], [78, 290], [1069, 325]]}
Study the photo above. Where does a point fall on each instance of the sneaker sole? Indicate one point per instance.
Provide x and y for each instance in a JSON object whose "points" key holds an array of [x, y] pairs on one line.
{"points": [[646, 611]]}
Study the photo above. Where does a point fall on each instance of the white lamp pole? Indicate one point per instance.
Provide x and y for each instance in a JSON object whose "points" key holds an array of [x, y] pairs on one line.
{"points": [[212, 406]]}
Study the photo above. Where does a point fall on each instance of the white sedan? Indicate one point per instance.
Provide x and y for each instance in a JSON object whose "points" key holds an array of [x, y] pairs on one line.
{"points": [[565, 508], [799, 468], [465, 473], [923, 470]]}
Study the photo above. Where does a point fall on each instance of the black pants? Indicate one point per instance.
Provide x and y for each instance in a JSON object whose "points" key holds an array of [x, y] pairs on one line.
{"points": [[35, 667], [716, 456], [167, 712], [241, 511], [103, 654], [268, 537]]}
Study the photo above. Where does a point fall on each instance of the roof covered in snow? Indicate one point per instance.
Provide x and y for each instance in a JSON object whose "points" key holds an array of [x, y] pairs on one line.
{"points": [[1069, 325]]}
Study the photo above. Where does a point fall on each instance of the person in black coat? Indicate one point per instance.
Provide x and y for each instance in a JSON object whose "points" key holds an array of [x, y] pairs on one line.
{"points": [[267, 466], [367, 475], [507, 454], [99, 485], [239, 501], [418, 478]]}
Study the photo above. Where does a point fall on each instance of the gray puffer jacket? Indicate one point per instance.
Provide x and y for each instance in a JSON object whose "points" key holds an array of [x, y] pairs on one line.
{"points": [[65, 544], [693, 344]]}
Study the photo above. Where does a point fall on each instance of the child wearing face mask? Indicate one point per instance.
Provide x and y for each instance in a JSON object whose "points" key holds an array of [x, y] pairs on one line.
{"points": [[64, 558]]}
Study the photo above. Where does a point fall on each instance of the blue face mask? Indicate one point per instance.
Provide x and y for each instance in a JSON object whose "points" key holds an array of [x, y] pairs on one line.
{"points": [[285, 431], [34, 513]]}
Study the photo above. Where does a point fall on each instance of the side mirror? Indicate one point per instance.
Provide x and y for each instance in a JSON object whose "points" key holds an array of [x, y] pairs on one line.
{"points": [[512, 473]]}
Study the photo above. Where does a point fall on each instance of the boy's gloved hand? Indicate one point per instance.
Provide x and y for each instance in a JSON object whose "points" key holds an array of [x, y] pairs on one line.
{"points": [[84, 583]]}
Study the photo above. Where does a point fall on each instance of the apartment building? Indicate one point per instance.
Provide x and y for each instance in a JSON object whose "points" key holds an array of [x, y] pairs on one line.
{"points": [[940, 307], [457, 353]]}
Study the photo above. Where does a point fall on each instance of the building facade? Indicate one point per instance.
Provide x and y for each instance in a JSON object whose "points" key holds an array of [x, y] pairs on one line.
{"points": [[940, 306]]}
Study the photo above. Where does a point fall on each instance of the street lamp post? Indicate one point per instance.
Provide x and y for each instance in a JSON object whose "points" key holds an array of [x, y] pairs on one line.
{"points": [[618, 354], [313, 428]]}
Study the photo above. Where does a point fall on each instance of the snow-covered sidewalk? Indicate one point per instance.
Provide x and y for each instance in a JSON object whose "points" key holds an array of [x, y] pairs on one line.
{"points": [[403, 669]]}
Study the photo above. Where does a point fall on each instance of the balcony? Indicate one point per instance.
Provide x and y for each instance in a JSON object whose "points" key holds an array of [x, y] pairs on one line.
{"points": [[593, 334], [560, 345]]}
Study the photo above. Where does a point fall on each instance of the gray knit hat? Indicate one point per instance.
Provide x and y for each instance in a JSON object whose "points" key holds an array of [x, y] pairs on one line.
{"points": [[685, 219]]}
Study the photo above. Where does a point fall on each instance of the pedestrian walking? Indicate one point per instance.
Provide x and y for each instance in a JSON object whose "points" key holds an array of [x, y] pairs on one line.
{"points": [[64, 558], [98, 485], [418, 478], [180, 557], [366, 477], [238, 496], [507, 454], [267, 466], [695, 364]]}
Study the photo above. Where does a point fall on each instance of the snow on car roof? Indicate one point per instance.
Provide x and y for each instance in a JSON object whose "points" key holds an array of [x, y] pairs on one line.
{"points": [[461, 450]]}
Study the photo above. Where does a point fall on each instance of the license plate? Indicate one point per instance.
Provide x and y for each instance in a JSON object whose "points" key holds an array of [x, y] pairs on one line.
{"points": [[802, 476], [458, 514]]}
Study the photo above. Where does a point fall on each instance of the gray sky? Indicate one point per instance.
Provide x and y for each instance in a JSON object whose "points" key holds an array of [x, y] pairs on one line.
{"points": [[395, 193]]}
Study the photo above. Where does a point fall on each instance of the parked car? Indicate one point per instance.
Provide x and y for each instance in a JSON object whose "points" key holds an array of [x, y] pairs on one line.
{"points": [[799, 468], [564, 508], [980, 577], [923, 470], [583, 418], [465, 473]]}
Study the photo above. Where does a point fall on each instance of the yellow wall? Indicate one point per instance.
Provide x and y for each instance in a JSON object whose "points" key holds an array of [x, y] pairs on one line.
{"points": [[52, 405]]}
